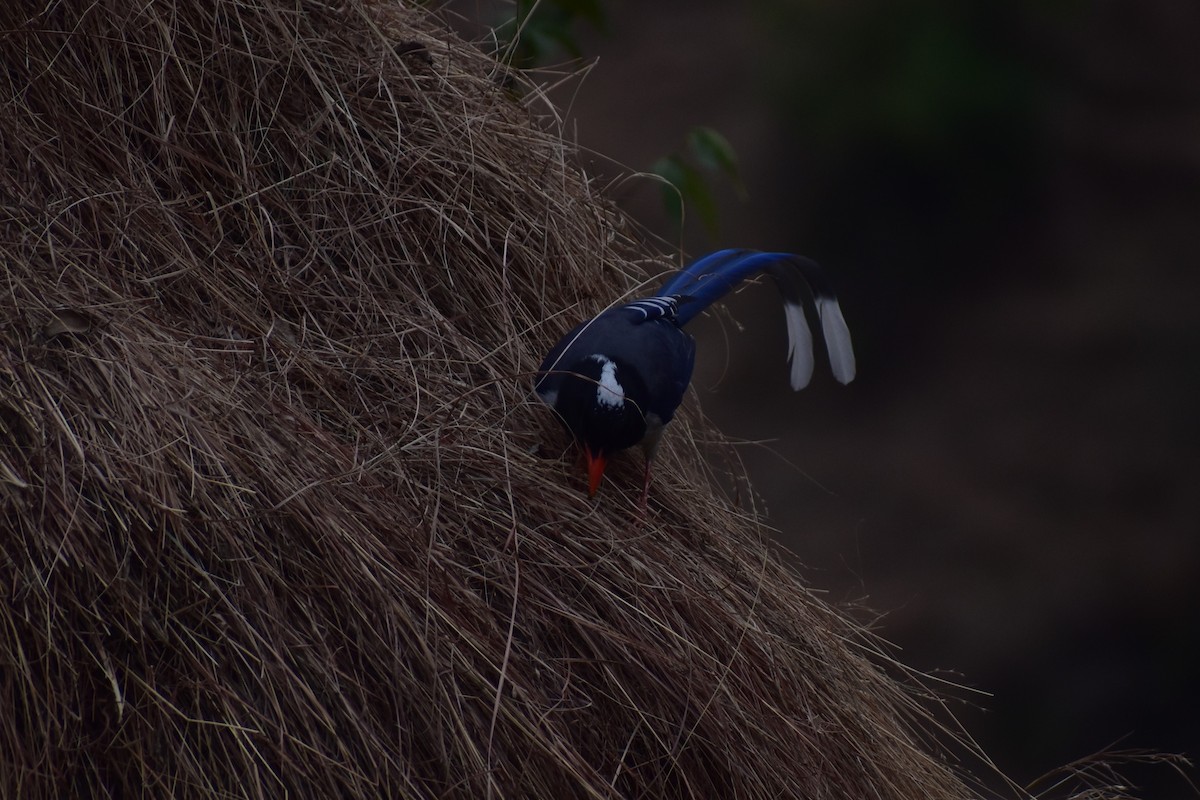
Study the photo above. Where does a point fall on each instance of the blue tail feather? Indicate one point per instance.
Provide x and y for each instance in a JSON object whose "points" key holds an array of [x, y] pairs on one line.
{"points": [[710, 278], [707, 280]]}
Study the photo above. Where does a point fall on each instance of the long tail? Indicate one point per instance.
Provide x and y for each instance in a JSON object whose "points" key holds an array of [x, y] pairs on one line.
{"points": [[710, 278]]}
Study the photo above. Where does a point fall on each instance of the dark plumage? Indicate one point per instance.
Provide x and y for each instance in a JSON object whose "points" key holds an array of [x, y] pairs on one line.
{"points": [[616, 379]]}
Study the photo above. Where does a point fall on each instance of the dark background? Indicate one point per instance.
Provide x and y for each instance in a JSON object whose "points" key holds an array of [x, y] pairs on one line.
{"points": [[1008, 196]]}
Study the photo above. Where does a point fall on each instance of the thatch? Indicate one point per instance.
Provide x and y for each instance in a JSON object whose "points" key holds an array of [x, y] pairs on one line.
{"points": [[279, 515]]}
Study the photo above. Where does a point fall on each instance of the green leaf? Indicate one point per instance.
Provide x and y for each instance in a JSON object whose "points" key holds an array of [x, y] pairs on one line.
{"points": [[590, 10], [536, 33], [714, 152], [702, 200], [670, 169], [686, 187]]}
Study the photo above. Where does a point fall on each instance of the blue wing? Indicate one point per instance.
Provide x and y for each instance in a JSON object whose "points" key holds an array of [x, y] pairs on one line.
{"points": [[651, 308]]}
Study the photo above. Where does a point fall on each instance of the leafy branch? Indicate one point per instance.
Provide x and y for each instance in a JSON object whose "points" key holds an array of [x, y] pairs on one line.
{"points": [[690, 173]]}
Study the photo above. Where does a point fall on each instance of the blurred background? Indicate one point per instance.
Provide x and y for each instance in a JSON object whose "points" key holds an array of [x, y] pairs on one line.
{"points": [[1007, 195]]}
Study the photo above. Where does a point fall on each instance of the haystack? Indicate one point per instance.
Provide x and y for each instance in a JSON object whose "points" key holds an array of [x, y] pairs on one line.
{"points": [[280, 518]]}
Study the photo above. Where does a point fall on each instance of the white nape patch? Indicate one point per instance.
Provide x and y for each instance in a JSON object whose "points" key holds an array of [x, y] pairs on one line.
{"points": [[609, 393]]}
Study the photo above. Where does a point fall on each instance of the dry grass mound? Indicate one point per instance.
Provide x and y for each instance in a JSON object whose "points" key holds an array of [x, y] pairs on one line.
{"points": [[275, 521]]}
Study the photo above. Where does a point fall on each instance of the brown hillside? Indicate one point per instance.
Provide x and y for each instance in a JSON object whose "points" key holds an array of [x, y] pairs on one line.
{"points": [[275, 518]]}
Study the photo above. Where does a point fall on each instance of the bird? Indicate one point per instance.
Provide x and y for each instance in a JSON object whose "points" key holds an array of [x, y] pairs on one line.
{"points": [[616, 379]]}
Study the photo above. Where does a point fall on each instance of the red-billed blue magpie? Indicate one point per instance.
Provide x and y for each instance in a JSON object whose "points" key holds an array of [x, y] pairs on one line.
{"points": [[617, 379]]}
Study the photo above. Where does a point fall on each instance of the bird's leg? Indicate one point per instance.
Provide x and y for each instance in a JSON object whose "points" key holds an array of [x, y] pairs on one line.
{"points": [[645, 487], [654, 429]]}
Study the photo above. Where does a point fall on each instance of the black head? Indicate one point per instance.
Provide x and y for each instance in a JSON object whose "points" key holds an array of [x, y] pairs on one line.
{"points": [[601, 402]]}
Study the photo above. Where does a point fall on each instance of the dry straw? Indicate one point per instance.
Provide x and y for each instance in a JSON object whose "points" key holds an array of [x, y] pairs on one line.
{"points": [[279, 517]]}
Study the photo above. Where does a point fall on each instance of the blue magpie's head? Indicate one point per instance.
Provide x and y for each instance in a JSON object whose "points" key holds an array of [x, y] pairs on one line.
{"points": [[602, 403]]}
